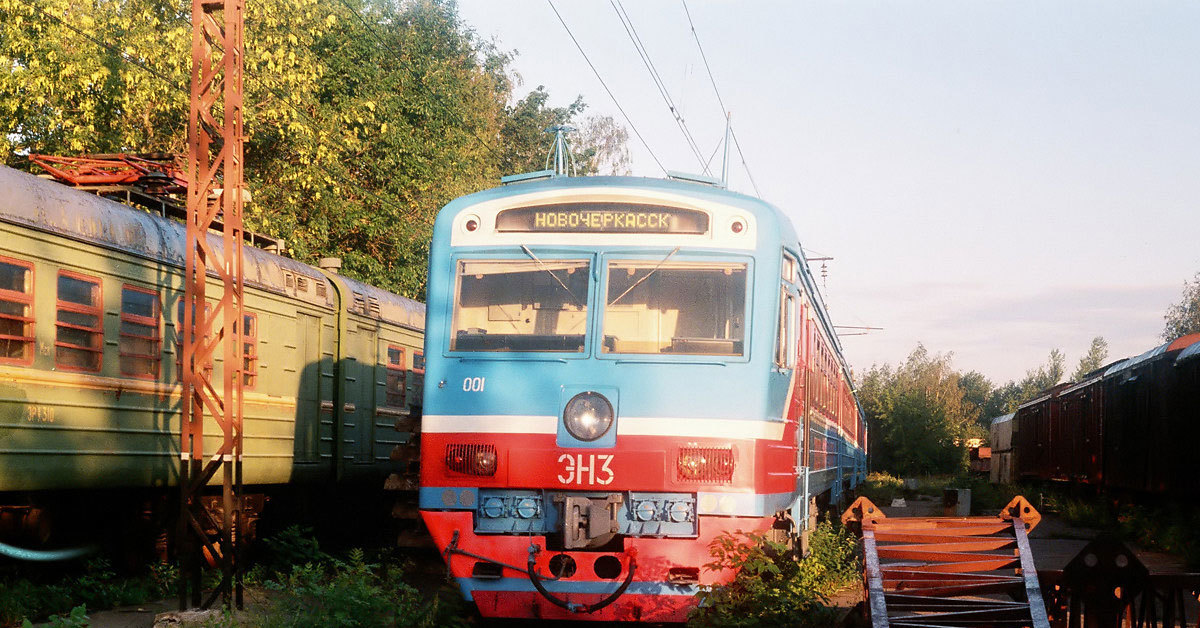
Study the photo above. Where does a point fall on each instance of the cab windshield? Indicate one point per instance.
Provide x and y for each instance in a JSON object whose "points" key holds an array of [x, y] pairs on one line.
{"points": [[520, 305], [670, 307]]}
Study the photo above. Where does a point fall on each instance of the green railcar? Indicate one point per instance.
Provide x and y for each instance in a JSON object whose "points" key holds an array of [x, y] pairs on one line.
{"points": [[90, 329]]}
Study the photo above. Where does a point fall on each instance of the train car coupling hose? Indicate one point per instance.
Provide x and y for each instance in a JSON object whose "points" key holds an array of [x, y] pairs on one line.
{"points": [[452, 548], [49, 556], [571, 606]]}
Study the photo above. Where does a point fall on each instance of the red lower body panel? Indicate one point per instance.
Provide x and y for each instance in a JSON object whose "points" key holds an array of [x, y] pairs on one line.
{"points": [[654, 595]]}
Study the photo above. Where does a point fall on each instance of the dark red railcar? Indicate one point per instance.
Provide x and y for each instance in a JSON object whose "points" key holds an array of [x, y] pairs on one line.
{"points": [[1081, 447], [1145, 436], [1133, 425], [1037, 430]]}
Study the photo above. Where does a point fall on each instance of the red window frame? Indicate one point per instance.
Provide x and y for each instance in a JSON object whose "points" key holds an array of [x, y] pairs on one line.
{"points": [[153, 323], [97, 311], [25, 299], [249, 350], [396, 369]]}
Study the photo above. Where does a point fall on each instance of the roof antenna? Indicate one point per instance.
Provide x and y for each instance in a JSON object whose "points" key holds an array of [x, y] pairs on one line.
{"points": [[564, 161]]}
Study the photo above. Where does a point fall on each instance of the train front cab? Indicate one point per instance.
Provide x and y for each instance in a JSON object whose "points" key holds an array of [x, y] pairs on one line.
{"points": [[604, 401]]}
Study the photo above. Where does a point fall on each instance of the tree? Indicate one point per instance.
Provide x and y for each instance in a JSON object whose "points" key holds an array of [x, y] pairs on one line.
{"points": [[1007, 398], [976, 390], [1183, 318], [1094, 359], [363, 118], [918, 414]]}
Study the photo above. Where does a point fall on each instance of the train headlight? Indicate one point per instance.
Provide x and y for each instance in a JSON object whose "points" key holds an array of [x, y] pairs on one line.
{"points": [[588, 416], [485, 462]]}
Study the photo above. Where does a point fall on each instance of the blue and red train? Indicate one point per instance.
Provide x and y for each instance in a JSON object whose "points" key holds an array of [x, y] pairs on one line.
{"points": [[620, 370]]}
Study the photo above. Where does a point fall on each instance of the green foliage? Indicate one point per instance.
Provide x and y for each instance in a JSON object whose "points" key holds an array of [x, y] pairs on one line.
{"points": [[353, 593], [1183, 318], [77, 618], [1008, 397], [363, 118], [918, 415], [881, 488], [1092, 360], [97, 586], [772, 587]]}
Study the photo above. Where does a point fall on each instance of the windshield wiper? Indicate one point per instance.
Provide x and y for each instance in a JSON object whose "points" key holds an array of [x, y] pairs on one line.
{"points": [[551, 273], [645, 277]]}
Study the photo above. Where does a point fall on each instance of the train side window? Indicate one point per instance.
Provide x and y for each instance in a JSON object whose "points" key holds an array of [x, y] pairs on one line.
{"points": [[16, 311], [785, 351], [249, 350], [140, 345], [179, 341], [396, 379], [79, 342], [788, 268]]}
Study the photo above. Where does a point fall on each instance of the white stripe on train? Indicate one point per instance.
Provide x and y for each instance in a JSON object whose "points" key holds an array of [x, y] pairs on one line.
{"points": [[626, 426]]}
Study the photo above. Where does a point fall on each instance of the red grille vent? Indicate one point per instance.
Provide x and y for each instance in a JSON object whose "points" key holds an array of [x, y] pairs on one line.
{"points": [[472, 459], [706, 464]]}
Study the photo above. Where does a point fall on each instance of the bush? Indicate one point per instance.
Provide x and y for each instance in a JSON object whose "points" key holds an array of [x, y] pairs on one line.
{"points": [[352, 594], [98, 586], [77, 618], [881, 488], [772, 587]]}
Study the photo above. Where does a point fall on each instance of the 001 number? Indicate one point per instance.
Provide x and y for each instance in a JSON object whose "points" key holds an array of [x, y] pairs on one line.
{"points": [[474, 384]]}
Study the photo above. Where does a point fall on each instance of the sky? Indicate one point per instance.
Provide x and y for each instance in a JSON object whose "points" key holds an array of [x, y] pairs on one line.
{"points": [[992, 179]]}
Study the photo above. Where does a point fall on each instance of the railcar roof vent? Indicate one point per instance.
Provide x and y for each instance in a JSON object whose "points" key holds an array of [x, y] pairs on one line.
{"points": [[331, 264], [526, 177], [694, 178]]}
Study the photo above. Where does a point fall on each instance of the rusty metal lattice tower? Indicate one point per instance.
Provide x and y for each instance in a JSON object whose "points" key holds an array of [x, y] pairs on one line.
{"points": [[215, 196]]}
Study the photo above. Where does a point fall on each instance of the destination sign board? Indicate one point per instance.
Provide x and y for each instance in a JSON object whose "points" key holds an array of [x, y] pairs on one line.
{"points": [[601, 217]]}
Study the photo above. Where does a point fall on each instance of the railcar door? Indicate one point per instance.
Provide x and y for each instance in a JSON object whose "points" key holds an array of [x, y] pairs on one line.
{"points": [[308, 397]]}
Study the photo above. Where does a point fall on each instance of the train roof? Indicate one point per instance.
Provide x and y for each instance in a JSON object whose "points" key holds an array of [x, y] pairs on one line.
{"points": [[1183, 342], [1191, 353], [1002, 418], [55, 208]]}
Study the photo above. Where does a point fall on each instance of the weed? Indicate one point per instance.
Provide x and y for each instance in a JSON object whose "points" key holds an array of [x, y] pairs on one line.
{"points": [[350, 594], [772, 587], [77, 618]]}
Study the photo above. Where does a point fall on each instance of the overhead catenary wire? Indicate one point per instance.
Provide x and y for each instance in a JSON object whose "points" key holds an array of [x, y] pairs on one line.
{"points": [[717, 91], [636, 39], [628, 121]]}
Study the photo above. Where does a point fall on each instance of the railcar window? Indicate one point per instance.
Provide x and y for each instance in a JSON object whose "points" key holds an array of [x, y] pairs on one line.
{"points": [[521, 305], [689, 308], [140, 346], [16, 317], [179, 330], [785, 350], [80, 339], [249, 350], [395, 376], [419, 363]]}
